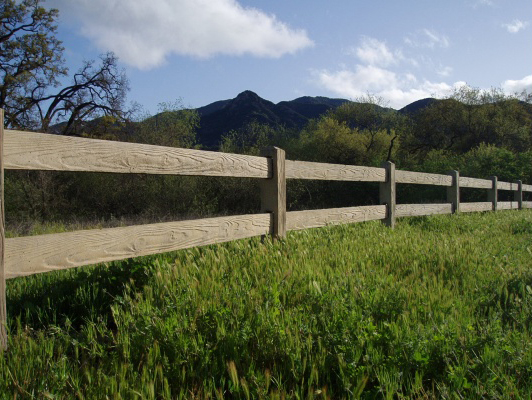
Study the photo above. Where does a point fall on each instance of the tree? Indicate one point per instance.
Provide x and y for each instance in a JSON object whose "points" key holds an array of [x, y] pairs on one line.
{"points": [[31, 63], [95, 91], [370, 116], [30, 57], [470, 117], [173, 126]]}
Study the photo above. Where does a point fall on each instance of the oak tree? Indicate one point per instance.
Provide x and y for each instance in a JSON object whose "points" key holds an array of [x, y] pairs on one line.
{"points": [[32, 66]]}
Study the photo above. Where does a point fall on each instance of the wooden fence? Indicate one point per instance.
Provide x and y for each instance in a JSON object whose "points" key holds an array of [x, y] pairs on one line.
{"points": [[36, 151]]}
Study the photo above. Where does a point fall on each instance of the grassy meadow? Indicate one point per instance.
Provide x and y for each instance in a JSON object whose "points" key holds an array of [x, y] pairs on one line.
{"points": [[439, 307]]}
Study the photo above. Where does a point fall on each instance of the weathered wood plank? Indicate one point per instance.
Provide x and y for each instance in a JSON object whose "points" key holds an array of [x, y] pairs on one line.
{"points": [[507, 186], [413, 210], [474, 207], [387, 193], [297, 220], [422, 178], [35, 254], [475, 183], [333, 172], [527, 188], [39, 151], [527, 204], [507, 205], [3, 311], [273, 191]]}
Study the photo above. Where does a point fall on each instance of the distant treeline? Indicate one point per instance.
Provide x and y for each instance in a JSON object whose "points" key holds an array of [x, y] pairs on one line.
{"points": [[476, 132]]}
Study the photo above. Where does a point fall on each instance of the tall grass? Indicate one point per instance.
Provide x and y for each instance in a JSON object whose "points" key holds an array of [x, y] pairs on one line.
{"points": [[438, 307]]}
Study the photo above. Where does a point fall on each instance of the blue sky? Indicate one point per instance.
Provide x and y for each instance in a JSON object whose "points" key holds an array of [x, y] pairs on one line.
{"points": [[208, 50]]}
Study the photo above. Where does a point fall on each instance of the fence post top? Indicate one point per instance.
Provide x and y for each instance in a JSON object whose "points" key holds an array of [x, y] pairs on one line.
{"points": [[270, 150]]}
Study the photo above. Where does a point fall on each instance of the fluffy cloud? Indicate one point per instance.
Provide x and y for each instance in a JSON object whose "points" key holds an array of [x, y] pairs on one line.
{"points": [[143, 33], [515, 26], [398, 89], [517, 86], [375, 52], [374, 74]]}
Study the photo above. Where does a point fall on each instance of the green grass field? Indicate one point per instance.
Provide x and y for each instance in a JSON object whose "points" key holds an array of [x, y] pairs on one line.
{"points": [[440, 307]]}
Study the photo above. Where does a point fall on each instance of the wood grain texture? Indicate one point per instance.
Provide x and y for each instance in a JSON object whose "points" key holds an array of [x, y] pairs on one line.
{"points": [[507, 186], [333, 172], [35, 254], [3, 310], [474, 207], [387, 193], [527, 204], [527, 188], [475, 183], [297, 220], [422, 178], [39, 151], [507, 205], [414, 210], [273, 191]]}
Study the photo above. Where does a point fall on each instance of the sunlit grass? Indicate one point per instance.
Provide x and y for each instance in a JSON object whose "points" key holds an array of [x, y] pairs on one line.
{"points": [[438, 307]]}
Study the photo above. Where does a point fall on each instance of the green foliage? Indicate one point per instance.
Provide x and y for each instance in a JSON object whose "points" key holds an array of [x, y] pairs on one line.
{"points": [[438, 307], [172, 126], [332, 141], [31, 58], [469, 118], [31, 61]]}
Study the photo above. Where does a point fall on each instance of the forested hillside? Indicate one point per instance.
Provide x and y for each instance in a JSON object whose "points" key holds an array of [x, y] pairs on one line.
{"points": [[480, 134]]}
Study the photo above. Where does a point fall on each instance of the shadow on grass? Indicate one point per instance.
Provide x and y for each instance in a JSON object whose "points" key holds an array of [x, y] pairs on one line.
{"points": [[75, 296]]}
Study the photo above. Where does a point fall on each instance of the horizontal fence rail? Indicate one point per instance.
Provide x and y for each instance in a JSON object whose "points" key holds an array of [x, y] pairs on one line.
{"points": [[297, 220], [39, 151], [24, 256], [44, 253], [422, 178], [475, 183], [333, 172]]}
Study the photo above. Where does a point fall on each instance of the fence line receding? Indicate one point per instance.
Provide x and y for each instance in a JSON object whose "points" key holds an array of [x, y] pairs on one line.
{"points": [[37, 151]]}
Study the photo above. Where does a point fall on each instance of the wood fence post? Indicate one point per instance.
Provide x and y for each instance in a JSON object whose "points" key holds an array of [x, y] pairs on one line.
{"points": [[492, 193], [518, 195], [273, 191], [387, 194], [453, 192], [3, 311]]}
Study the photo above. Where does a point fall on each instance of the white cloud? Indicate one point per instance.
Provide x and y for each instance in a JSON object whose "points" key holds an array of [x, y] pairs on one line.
{"points": [[398, 89], [375, 52], [427, 38], [143, 33], [381, 72], [515, 26], [517, 86]]}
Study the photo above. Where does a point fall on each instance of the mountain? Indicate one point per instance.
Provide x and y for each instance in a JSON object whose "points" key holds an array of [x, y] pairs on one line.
{"points": [[418, 105], [220, 117]]}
